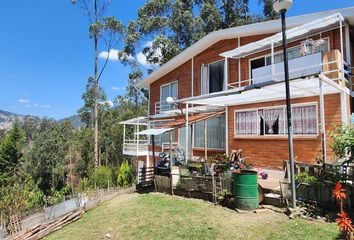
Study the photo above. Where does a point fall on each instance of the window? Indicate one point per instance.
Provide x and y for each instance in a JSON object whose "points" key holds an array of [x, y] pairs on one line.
{"points": [[272, 121], [162, 138], [168, 90], [304, 119], [212, 76], [246, 123], [216, 135]]}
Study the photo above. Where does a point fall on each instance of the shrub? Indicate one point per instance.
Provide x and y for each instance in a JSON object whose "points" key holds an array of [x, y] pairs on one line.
{"points": [[102, 177], [343, 143], [306, 178], [125, 176]]}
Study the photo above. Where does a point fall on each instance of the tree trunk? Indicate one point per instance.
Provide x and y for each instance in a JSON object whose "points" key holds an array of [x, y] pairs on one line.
{"points": [[97, 157]]}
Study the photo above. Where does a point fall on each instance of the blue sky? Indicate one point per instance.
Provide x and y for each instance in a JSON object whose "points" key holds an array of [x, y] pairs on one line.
{"points": [[46, 55]]}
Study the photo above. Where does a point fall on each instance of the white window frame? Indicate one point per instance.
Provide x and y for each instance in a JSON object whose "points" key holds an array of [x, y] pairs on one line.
{"points": [[201, 75], [285, 124], [164, 85], [276, 53]]}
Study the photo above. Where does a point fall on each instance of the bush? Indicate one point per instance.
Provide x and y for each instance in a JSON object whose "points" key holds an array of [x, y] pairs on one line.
{"points": [[343, 143], [125, 176], [102, 177], [306, 178]]}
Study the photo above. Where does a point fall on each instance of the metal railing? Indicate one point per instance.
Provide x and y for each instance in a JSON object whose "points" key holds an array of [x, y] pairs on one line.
{"points": [[331, 74], [135, 147], [163, 106]]}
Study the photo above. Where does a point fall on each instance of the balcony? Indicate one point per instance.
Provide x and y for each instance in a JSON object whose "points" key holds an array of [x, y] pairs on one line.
{"points": [[327, 63], [135, 147], [163, 106], [134, 144]]}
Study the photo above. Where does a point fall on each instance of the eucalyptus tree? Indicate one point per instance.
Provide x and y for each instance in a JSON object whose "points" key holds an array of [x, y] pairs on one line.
{"points": [[164, 28], [105, 30]]}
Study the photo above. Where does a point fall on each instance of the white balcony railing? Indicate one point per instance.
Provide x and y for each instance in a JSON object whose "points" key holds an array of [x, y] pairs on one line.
{"points": [[299, 67], [163, 106], [135, 147]]}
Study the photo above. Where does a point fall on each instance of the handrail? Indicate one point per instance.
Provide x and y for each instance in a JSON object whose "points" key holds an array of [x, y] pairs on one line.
{"points": [[248, 82], [163, 106]]}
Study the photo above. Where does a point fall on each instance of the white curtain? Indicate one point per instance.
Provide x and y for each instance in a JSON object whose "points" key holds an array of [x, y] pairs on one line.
{"points": [[304, 119], [246, 123], [270, 116], [205, 78]]}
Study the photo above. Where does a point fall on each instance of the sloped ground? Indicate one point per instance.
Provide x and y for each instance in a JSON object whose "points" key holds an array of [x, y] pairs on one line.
{"points": [[158, 216]]}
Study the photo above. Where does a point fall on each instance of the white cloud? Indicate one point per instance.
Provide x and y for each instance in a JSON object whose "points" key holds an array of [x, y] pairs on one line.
{"points": [[113, 55], [21, 100], [28, 103], [141, 58]]}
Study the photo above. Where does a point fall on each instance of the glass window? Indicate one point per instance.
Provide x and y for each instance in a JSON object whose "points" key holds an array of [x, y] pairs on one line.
{"points": [[272, 121], [246, 123], [212, 77], [168, 90], [304, 119], [216, 135]]}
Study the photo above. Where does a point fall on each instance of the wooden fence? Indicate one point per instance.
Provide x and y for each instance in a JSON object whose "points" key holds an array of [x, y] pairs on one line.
{"points": [[328, 175]]}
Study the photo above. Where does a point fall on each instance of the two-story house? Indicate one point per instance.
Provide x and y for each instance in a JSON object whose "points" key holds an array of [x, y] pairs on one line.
{"points": [[228, 92]]}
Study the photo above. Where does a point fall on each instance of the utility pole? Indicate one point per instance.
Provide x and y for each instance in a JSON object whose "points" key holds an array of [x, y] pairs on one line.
{"points": [[281, 6]]}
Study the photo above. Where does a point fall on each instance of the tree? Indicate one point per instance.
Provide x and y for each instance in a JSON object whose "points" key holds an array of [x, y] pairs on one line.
{"points": [[164, 28], [11, 154], [47, 158], [109, 31]]}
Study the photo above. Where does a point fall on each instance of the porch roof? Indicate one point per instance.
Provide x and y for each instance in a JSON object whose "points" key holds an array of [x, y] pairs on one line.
{"points": [[154, 131], [179, 121], [321, 24], [269, 91], [143, 121]]}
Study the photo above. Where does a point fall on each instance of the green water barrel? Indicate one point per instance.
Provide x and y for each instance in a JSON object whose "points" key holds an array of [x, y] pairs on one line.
{"points": [[245, 188]]}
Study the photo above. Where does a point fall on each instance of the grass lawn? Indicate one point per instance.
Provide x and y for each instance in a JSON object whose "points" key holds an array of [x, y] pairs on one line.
{"points": [[158, 216]]}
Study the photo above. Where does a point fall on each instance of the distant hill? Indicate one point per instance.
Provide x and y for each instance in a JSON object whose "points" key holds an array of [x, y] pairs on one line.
{"points": [[7, 119]]}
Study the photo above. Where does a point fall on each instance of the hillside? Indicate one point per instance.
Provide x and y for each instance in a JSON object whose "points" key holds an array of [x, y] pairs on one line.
{"points": [[7, 119]]}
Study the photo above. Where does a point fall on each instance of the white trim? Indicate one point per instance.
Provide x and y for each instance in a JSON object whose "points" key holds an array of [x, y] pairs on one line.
{"points": [[239, 64], [192, 75], [275, 107], [226, 74], [227, 131]]}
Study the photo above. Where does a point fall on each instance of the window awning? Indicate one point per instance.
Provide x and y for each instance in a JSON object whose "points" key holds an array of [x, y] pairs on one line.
{"points": [[154, 131], [293, 34]]}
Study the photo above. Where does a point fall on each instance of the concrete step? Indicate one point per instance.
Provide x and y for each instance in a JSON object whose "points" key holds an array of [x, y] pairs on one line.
{"points": [[273, 199]]}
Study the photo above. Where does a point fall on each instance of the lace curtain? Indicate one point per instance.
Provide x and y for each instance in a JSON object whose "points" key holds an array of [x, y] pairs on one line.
{"points": [[270, 116], [304, 119], [246, 123]]}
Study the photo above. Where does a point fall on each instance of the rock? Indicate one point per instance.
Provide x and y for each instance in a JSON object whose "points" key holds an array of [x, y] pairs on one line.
{"points": [[108, 235]]}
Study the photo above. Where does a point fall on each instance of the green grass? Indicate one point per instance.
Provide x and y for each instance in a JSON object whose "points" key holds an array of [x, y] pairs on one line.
{"points": [[158, 216]]}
